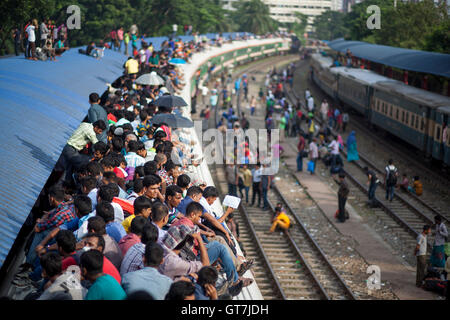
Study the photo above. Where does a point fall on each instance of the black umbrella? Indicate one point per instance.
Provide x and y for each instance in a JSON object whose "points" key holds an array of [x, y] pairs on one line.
{"points": [[170, 101], [172, 120]]}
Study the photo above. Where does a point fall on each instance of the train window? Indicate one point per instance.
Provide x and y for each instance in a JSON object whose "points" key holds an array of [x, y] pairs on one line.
{"points": [[438, 133], [422, 125], [417, 122], [396, 114], [412, 120], [390, 110], [403, 116], [378, 105], [407, 117]]}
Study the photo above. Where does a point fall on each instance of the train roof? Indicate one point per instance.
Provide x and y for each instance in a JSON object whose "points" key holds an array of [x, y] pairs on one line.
{"points": [[406, 59], [364, 76], [445, 110], [414, 94], [325, 61]]}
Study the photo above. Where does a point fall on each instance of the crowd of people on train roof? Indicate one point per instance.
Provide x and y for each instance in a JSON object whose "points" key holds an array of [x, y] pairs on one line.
{"points": [[126, 209]]}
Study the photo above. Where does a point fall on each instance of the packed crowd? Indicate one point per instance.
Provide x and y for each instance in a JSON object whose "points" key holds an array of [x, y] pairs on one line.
{"points": [[129, 217]]}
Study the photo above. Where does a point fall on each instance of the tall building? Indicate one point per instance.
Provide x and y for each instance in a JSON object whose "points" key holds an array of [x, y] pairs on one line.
{"points": [[283, 10]]}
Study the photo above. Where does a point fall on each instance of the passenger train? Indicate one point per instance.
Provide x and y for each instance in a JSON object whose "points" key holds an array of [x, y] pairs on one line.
{"points": [[414, 115]]}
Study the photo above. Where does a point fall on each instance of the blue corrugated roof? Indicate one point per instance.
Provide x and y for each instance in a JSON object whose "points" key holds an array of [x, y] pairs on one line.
{"points": [[407, 59], [41, 104]]}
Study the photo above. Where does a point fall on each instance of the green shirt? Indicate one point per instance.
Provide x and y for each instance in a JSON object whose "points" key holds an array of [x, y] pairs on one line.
{"points": [[283, 123], [105, 288], [82, 136]]}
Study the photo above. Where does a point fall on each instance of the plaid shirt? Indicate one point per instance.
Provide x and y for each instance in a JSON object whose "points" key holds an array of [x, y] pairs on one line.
{"points": [[133, 259], [61, 214]]}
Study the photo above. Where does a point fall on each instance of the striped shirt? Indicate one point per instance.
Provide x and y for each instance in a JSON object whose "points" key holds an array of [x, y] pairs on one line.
{"points": [[82, 136], [133, 259]]}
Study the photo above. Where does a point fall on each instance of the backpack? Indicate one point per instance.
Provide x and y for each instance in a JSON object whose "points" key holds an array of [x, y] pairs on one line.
{"points": [[392, 177]]}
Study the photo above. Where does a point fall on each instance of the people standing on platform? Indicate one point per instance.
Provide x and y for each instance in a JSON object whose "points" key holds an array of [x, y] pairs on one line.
{"points": [[246, 175], [335, 156], [256, 188], [352, 151], [420, 252], [345, 120], [311, 127], [342, 197], [372, 181], [437, 258], [390, 179], [324, 110], [31, 31], [252, 105], [311, 104], [266, 181], [232, 179], [301, 152], [313, 154]]}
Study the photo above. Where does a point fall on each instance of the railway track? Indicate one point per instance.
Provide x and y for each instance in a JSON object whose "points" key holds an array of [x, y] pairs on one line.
{"points": [[430, 203], [405, 217], [298, 267]]}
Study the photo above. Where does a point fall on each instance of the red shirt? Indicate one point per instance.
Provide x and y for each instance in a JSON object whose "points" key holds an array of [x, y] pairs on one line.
{"points": [[127, 242], [109, 268], [67, 262]]}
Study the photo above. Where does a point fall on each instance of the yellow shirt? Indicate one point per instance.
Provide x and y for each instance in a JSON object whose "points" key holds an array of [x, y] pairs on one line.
{"points": [[283, 217], [127, 223], [418, 187], [132, 66]]}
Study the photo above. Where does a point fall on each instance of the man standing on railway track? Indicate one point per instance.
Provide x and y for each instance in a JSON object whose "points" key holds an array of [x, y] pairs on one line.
{"points": [[421, 254], [372, 181], [390, 179]]}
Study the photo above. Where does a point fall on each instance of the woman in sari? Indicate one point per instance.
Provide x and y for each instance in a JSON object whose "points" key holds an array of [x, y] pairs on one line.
{"points": [[352, 152]]}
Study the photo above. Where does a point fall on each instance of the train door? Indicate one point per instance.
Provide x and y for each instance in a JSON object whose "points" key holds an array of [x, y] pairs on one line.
{"points": [[428, 119]]}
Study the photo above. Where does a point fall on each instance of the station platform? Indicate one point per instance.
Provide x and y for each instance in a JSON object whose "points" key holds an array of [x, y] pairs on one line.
{"points": [[369, 244]]}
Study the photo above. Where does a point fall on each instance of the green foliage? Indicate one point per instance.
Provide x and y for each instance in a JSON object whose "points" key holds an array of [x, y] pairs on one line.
{"points": [[330, 25], [99, 17], [420, 26], [253, 16]]}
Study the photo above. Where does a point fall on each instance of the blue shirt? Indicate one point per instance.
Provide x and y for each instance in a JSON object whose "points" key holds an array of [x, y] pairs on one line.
{"points": [[149, 280], [184, 203], [115, 230], [200, 293]]}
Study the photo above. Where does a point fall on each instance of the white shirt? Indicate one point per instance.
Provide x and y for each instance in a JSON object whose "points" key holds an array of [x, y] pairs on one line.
{"points": [[441, 233], [31, 33], [93, 195], [257, 175], [118, 212], [310, 103], [324, 108], [307, 94], [334, 145], [205, 90], [422, 242], [134, 160], [314, 150]]}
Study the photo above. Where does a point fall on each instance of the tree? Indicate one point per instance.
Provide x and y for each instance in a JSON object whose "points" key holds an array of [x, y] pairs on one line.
{"points": [[253, 16], [330, 25]]}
